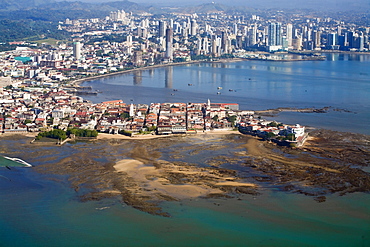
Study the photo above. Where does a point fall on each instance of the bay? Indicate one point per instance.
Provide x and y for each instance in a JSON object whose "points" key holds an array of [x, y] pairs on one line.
{"points": [[342, 82], [43, 210]]}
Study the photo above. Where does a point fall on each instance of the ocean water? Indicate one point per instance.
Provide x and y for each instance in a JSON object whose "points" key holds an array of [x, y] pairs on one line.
{"points": [[40, 209], [341, 82], [45, 215]]}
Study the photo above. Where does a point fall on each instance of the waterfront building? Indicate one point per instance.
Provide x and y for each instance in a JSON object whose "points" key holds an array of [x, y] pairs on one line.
{"points": [[169, 45], [77, 50], [274, 37], [297, 130], [289, 34]]}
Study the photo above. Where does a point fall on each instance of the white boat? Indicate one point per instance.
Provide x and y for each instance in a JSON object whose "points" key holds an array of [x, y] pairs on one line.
{"points": [[17, 160]]}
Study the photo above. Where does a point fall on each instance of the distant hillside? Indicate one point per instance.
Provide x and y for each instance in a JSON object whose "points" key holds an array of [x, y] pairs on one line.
{"points": [[49, 10], [22, 4]]}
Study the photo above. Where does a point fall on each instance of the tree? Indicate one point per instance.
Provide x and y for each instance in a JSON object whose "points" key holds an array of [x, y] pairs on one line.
{"points": [[291, 137], [54, 134], [270, 135], [27, 121], [232, 119], [272, 124], [82, 132], [124, 115]]}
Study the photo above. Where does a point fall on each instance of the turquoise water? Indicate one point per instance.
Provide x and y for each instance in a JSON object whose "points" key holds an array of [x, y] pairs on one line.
{"points": [[48, 217], [42, 210], [342, 81], [10, 163]]}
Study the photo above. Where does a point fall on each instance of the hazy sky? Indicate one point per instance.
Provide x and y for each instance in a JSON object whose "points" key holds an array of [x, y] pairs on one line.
{"points": [[319, 4]]}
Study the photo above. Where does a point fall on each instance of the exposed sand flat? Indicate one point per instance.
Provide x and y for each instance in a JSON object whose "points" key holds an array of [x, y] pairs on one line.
{"points": [[257, 148], [134, 137], [152, 182], [231, 183], [102, 136], [182, 191], [127, 165]]}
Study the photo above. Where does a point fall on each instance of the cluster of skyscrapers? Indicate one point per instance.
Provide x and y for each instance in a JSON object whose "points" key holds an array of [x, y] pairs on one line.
{"points": [[217, 34]]}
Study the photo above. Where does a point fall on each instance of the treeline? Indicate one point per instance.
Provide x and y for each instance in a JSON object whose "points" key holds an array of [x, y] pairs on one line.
{"points": [[13, 30], [82, 132], [54, 134], [62, 135]]}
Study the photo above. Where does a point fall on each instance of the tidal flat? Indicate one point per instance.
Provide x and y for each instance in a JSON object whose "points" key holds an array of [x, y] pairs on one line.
{"points": [[145, 173]]}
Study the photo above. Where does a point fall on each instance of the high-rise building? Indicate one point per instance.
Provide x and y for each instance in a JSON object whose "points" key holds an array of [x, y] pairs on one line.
{"points": [[289, 34], [316, 39], [224, 43], [162, 29], [193, 27], [129, 40], [274, 34], [77, 50], [214, 46], [169, 40], [332, 41], [235, 28]]}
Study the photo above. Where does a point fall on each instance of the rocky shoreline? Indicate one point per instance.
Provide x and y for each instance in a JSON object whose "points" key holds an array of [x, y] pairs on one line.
{"points": [[276, 111], [142, 176]]}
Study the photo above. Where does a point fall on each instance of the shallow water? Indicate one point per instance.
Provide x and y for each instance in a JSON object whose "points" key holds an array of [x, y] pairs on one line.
{"points": [[42, 210]]}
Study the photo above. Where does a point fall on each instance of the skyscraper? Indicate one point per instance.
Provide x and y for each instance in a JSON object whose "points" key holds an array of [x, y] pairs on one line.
{"points": [[161, 29], [274, 34], [77, 50], [289, 34], [193, 27], [169, 40]]}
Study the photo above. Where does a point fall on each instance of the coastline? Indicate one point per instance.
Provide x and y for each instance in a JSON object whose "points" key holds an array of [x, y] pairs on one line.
{"points": [[142, 176], [95, 77], [102, 136]]}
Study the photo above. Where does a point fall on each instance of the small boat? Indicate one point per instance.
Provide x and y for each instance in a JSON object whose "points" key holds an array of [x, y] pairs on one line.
{"points": [[9, 162], [218, 93], [219, 88]]}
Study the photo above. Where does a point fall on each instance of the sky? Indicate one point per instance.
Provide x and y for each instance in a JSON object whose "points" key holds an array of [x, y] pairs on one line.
{"points": [[315, 4]]}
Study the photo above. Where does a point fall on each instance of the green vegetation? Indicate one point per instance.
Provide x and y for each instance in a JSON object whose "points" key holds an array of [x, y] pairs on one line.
{"points": [[274, 124], [124, 115], [270, 135], [152, 128], [82, 132], [50, 41], [125, 132], [111, 38], [232, 119], [291, 137], [62, 135], [54, 134], [29, 30]]}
